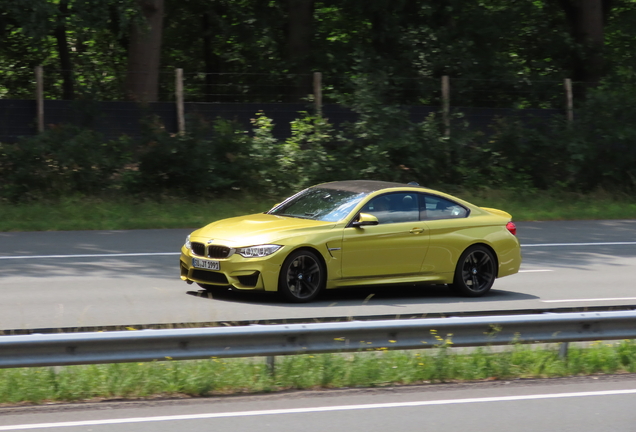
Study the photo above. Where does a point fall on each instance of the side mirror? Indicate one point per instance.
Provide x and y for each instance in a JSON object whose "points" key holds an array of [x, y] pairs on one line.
{"points": [[365, 219]]}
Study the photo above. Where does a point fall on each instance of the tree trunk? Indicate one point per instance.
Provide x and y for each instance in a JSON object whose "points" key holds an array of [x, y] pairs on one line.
{"points": [[586, 19], [299, 37], [144, 54], [210, 22], [66, 65]]}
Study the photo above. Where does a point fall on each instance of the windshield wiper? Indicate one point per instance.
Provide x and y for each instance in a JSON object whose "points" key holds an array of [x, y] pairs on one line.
{"points": [[291, 215]]}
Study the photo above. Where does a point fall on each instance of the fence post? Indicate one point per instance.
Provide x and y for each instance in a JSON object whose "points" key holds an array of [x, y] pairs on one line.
{"points": [[446, 105], [318, 93], [568, 101], [39, 98], [179, 100]]}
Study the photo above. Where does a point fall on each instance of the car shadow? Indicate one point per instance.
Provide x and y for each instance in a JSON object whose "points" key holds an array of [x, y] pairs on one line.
{"points": [[380, 295]]}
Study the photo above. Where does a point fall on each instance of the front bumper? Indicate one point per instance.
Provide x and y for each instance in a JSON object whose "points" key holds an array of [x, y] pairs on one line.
{"points": [[236, 271]]}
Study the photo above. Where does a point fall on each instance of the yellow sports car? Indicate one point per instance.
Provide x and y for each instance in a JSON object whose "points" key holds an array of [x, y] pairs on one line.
{"points": [[353, 233]]}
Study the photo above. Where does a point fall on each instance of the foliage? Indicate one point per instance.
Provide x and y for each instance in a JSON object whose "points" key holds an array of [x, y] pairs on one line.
{"points": [[63, 160], [499, 53], [511, 156], [384, 142], [598, 150], [602, 143], [97, 35], [203, 160], [270, 163]]}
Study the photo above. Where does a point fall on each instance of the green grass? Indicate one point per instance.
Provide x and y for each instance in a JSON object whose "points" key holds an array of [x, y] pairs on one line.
{"points": [[556, 205], [81, 213], [84, 213], [200, 378]]}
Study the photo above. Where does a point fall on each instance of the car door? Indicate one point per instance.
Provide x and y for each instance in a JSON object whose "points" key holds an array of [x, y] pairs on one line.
{"points": [[449, 230], [396, 246]]}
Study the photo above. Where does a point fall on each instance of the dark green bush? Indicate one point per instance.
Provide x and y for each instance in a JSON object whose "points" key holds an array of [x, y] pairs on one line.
{"points": [[602, 142], [517, 154], [597, 150], [206, 159], [62, 160]]}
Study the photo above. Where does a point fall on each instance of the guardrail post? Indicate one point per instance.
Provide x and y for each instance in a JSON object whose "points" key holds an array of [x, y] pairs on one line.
{"points": [[563, 350], [271, 365]]}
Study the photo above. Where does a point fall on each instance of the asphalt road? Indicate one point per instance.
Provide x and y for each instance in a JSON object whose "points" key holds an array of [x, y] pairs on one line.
{"points": [[99, 278], [584, 404]]}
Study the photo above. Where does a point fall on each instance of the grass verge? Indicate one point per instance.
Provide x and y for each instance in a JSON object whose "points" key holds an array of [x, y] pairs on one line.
{"points": [[200, 378], [83, 213]]}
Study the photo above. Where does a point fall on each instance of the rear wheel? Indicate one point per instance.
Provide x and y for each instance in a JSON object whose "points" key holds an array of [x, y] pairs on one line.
{"points": [[302, 276], [475, 273]]}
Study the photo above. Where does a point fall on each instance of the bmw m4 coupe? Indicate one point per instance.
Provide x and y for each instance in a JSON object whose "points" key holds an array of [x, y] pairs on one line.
{"points": [[355, 233]]}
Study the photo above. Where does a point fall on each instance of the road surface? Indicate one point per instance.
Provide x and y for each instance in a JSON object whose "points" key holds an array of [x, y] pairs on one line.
{"points": [[102, 278]]}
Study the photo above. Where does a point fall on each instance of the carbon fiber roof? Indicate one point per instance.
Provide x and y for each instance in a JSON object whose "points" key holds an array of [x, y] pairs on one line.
{"points": [[365, 186]]}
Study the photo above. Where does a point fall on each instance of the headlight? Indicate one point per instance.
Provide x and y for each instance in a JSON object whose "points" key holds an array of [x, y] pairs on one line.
{"points": [[188, 245], [257, 251]]}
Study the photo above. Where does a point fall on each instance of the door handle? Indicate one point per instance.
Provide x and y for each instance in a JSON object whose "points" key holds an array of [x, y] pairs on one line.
{"points": [[417, 230]]}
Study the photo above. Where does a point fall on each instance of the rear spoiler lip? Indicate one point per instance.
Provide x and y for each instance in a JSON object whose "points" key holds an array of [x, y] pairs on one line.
{"points": [[497, 212]]}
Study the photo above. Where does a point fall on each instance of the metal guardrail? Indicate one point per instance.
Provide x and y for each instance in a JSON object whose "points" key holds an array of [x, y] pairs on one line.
{"points": [[286, 339]]}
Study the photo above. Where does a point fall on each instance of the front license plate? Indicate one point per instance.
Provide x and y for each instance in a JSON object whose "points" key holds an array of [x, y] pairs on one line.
{"points": [[205, 264]]}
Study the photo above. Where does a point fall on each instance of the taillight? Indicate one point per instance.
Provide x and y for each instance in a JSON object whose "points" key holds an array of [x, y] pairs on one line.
{"points": [[510, 226]]}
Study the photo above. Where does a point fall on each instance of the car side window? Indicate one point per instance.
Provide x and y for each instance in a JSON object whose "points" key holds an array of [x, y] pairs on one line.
{"points": [[434, 207], [394, 208]]}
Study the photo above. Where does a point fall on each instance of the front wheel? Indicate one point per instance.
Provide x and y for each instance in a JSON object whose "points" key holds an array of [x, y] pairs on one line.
{"points": [[475, 272], [302, 276]]}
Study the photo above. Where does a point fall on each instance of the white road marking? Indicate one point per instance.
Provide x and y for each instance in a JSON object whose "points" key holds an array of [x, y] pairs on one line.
{"points": [[535, 271], [314, 409], [580, 244], [116, 255], [589, 300], [111, 255]]}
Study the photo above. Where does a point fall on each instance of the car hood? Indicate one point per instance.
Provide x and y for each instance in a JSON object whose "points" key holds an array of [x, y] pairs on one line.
{"points": [[255, 229]]}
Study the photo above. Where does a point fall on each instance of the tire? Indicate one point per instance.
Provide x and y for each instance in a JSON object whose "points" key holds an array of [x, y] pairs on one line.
{"points": [[302, 277], [475, 273]]}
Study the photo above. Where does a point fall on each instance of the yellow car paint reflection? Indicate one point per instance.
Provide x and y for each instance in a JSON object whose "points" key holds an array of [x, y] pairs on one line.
{"points": [[352, 233]]}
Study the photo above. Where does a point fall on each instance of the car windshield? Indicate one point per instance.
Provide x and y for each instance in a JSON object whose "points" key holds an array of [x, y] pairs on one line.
{"points": [[328, 205]]}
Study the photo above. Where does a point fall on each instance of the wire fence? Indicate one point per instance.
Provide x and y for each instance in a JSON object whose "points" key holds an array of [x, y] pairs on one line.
{"points": [[280, 87], [99, 100]]}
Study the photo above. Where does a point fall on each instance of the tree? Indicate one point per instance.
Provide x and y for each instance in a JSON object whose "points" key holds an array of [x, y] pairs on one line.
{"points": [[586, 19], [144, 53], [300, 27], [66, 66]]}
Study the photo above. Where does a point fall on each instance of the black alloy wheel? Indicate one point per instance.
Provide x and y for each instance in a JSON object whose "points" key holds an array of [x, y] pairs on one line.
{"points": [[475, 273], [301, 277]]}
